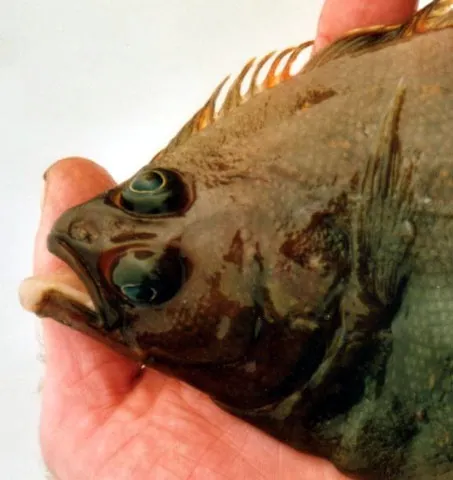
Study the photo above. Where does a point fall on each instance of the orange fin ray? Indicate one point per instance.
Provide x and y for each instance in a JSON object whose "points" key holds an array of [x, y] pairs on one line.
{"points": [[211, 111], [435, 16]]}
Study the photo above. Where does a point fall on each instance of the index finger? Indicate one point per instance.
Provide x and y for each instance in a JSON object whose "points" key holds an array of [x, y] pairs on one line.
{"points": [[340, 16]]}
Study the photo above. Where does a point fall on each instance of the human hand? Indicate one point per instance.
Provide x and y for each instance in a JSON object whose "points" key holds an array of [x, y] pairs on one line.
{"points": [[102, 418]]}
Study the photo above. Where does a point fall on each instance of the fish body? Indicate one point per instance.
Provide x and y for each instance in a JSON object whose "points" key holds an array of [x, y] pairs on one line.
{"points": [[292, 254]]}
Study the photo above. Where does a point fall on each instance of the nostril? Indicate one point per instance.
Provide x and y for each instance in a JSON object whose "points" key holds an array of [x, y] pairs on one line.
{"points": [[83, 231]]}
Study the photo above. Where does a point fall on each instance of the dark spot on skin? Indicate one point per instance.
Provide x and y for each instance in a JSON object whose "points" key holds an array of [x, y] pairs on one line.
{"points": [[236, 252], [143, 254], [320, 244], [132, 236], [258, 257], [221, 166]]}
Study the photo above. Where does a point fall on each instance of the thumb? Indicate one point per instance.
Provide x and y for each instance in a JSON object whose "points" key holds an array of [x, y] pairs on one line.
{"points": [[338, 17]]}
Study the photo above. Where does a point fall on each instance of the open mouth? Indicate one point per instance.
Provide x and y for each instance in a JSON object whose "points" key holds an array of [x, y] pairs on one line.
{"points": [[71, 298], [35, 290], [62, 296]]}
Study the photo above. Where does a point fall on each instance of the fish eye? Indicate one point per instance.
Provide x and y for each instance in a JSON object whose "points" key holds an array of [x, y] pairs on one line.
{"points": [[146, 277], [155, 192]]}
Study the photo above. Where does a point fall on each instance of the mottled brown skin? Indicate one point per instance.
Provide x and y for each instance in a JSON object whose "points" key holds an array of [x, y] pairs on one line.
{"points": [[313, 307]]}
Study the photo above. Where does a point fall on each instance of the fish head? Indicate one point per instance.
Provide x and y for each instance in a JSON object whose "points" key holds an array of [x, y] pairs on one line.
{"points": [[188, 266]]}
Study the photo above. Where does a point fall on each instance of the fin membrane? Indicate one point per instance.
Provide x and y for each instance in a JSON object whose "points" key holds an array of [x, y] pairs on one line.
{"points": [[383, 229]]}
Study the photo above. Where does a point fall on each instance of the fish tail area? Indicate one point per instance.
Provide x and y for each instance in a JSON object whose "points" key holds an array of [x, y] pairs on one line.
{"points": [[435, 16]]}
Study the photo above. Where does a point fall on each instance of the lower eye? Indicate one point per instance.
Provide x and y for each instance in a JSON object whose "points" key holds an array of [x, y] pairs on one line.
{"points": [[140, 293], [147, 277]]}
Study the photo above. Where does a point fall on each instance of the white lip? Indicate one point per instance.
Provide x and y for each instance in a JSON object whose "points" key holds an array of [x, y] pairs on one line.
{"points": [[34, 290]]}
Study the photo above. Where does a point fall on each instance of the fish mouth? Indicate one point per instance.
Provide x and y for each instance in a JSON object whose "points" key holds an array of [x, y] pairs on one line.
{"points": [[68, 297], [72, 299], [34, 292]]}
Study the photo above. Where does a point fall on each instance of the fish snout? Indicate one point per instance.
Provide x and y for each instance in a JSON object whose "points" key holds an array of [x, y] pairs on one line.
{"points": [[76, 227]]}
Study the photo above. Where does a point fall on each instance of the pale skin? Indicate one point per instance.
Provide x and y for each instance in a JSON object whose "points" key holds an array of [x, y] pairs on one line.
{"points": [[101, 419]]}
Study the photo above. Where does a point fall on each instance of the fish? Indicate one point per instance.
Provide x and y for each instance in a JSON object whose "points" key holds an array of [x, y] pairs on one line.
{"points": [[290, 251]]}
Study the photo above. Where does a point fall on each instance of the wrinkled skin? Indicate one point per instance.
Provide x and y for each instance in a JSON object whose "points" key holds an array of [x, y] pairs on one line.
{"points": [[103, 419]]}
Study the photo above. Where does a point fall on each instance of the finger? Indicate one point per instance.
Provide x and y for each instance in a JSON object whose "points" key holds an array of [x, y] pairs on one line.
{"points": [[340, 16], [72, 359]]}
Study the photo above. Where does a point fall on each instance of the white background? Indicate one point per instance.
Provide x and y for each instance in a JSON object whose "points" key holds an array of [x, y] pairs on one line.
{"points": [[110, 80]]}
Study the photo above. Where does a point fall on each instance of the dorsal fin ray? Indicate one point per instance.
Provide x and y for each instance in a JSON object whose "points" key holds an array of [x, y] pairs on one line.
{"points": [[437, 15], [234, 97], [254, 86], [210, 112]]}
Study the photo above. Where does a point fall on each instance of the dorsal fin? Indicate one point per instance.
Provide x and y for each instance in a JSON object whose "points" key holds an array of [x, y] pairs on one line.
{"points": [[211, 112], [437, 15]]}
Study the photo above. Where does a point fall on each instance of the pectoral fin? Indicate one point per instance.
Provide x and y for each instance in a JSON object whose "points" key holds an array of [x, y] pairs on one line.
{"points": [[382, 232], [382, 226]]}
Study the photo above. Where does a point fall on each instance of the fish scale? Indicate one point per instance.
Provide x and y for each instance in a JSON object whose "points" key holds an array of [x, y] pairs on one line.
{"points": [[420, 368], [422, 339]]}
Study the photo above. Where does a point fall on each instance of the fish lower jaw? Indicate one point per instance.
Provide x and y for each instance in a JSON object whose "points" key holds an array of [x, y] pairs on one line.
{"points": [[63, 298], [35, 292]]}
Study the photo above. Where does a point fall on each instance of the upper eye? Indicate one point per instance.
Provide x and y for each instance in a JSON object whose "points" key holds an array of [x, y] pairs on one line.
{"points": [[155, 192], [149, 277]]}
